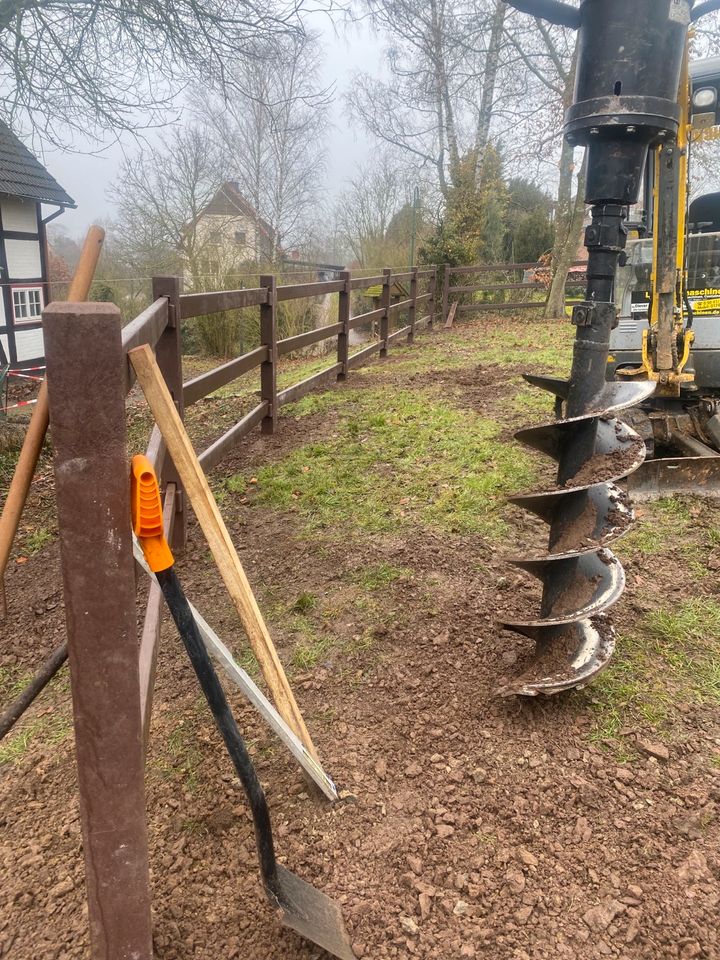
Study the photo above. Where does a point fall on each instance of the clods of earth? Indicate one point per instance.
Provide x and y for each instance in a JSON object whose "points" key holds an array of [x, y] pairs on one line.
{"points": [[373, 527]]}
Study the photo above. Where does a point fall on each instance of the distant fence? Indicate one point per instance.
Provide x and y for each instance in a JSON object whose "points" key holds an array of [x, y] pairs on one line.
{"points": [[496, 280]]}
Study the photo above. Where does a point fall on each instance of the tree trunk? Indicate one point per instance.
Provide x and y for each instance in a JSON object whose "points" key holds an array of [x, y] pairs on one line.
{"points": [[567, 239], [487, 102], [568, 213]]}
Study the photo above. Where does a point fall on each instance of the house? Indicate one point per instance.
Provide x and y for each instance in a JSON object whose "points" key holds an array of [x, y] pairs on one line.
{"points": [[25, 187], [229, 231]]}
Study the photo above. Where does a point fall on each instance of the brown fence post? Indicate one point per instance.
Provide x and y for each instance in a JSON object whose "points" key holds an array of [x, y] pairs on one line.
{"points": [[268, 338], [385, 304], [412, 310], [343, 346], [86, 383], [169, 358], [432, 304], [445, 293]]}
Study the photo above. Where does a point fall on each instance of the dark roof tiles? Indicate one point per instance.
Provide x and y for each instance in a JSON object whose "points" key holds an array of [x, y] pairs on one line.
{"points": [[21, 175]]}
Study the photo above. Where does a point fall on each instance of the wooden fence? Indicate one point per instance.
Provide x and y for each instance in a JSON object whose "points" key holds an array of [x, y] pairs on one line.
{"points": [[112, 678], [497, 280]]}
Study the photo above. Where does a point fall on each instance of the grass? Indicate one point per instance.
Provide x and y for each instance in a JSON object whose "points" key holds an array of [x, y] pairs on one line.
{"points": [[394, 460], [50, 729], [663, 531], [672, 657], [182, 756], [380, 575], [540, 346], [36, 540]]}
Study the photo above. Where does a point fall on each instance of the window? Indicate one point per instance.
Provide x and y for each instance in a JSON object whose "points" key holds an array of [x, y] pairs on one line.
{"points": [[240, 236], [27, 304]]}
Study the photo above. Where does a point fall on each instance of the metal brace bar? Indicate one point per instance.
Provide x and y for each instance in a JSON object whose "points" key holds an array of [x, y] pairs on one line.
{"points": [[254, 694]]}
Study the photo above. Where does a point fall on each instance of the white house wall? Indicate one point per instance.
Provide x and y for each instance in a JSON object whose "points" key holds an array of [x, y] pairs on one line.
{"points": [[28, 344], [23, 259], [19, 215]]}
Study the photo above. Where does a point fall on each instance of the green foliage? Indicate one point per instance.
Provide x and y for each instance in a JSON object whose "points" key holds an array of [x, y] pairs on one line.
{"points": [[473, 228], [380, 575], [102, 292], [528, 228], [444, 246], [37, 539]]}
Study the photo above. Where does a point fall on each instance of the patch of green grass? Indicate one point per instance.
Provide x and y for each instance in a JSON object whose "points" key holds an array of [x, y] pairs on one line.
{"points": [[35, 541], [531, 405], [52, 729], [380, 575], [13, 682], [542, 346], [181, 756], [309, 651], [673, 657], [305, 602], [315, 403], [662, 527], [396, 459], [8, 460]]}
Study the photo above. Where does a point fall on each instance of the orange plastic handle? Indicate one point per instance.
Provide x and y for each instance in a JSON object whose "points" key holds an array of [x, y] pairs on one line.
{"points": [[147, 514]]}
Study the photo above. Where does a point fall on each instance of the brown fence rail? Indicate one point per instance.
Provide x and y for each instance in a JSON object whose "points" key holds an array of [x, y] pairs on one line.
{"points": [[489, 295]]}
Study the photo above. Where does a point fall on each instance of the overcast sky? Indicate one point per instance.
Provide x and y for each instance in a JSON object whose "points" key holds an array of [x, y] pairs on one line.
{"points": [[87, 177]]}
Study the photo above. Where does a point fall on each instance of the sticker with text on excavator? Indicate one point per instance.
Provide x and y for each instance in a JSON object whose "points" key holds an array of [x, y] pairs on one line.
{"points": [[705, 302]]}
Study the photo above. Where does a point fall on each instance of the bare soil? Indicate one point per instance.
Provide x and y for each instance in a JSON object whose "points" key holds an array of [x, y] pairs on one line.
{"points": [[470, 826]]}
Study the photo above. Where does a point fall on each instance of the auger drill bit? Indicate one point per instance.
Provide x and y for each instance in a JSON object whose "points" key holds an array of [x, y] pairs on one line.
{"points": [[628, 75]]}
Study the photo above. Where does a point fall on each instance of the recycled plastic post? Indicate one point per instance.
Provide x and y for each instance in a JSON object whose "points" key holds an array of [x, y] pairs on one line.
{"points": [[86, 381], [385, 304], [34, 438], [344, 319]]}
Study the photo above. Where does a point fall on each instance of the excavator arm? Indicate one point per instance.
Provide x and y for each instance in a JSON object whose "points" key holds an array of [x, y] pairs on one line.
{"points": [[629, 66]]}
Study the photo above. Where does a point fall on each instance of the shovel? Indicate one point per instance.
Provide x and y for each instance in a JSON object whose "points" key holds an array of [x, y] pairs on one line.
{"points": [[302, 907]]}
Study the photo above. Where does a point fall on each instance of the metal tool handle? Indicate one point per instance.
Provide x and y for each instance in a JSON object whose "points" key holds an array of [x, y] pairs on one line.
{"points": [[148, 526], [225, 721]]}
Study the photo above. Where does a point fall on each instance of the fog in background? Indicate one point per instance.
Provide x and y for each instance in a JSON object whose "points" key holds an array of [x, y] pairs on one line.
{"points": [[87, 175]]}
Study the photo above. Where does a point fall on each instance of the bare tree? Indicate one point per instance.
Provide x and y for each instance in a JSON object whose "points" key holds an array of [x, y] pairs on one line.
{"points": [[96, 65], [543, 72], [365, 211], [160, 196], [273, 130], [438, 106]]}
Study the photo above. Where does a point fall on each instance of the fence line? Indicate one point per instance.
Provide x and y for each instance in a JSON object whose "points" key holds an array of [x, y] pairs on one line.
{"points": [[112, 676], [540, 278]]}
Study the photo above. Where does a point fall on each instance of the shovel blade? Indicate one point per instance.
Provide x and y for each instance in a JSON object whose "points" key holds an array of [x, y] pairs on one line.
{"points": [[311, 914], [690, 476]]}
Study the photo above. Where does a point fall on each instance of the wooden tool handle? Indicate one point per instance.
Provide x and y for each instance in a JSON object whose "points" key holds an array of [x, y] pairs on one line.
{"points": [[87, 264], [223, 550]]}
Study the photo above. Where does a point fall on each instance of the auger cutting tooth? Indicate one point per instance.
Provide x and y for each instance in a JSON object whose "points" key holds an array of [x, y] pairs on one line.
{"points": [[613, 396], [566, 657]]}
